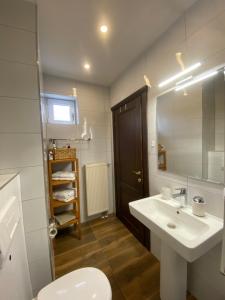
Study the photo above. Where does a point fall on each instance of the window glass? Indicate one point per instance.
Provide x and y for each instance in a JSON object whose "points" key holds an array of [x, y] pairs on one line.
{"points": [[62, 109]]}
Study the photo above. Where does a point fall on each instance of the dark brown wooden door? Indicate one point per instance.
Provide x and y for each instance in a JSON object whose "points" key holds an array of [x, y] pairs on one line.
{"points": [[130, 157]]}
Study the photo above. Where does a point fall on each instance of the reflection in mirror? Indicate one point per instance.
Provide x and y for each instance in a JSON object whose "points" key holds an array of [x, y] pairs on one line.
{"points": [[190, 126]]}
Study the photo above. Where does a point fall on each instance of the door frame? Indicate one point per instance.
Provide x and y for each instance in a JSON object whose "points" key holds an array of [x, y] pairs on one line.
{"points": [[143, 92]]}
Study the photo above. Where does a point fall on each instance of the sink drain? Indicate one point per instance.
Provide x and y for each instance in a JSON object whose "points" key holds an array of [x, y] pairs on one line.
{"points": [[171, 225]]}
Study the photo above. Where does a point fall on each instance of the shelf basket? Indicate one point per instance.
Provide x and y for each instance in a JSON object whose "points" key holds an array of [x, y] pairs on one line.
{"points": [[64, 153]]}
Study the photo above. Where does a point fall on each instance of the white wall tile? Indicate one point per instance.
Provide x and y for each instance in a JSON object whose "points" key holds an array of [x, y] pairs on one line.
{"points": [[18, 80], [32, 183], [93, 117], [34, 214], [40, 274], [17, 45], [96, 145], [201, 13], [62, 131], [37, 244], [31, 179], [90, 97], [20, 150], [203, 43], [93, 157], [100, 132], [19, 115], [18, 13]]}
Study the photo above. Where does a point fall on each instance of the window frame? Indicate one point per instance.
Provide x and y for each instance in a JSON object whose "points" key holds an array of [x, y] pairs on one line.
{"points": [[69, 101]]}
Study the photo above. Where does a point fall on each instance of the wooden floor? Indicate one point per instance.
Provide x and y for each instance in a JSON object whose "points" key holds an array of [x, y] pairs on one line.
{"points": [[108, 245]]}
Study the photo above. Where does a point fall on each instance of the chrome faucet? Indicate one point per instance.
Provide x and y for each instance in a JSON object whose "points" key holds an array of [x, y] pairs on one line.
{"points": [[182, 193]]}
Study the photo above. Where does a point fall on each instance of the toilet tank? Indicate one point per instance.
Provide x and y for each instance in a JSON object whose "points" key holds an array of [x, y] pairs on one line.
{"points": [[14, 275]]}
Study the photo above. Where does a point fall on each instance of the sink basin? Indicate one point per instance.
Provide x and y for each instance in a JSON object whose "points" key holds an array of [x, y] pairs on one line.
{"points": [[187, 234], [184, 238]]}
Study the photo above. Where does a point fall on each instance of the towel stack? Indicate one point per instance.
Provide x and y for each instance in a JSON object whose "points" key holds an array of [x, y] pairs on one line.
{"points": [[63, 175], [65, 195], [65, 217]]}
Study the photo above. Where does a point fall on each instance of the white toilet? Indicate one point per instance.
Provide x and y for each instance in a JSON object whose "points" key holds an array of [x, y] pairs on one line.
{"points": [[82, 284]]}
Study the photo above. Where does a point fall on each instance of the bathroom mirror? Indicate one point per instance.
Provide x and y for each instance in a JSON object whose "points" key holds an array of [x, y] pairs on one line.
{"points": [[190, 129]]}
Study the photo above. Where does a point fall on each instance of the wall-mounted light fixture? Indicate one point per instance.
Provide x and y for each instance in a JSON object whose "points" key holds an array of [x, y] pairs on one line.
{"points": [[196, 80], [184, 80], [179, 75]]}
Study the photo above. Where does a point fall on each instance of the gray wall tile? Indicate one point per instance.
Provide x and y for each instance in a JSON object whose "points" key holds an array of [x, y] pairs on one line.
{"points": [[18, 80], [17, 45]]}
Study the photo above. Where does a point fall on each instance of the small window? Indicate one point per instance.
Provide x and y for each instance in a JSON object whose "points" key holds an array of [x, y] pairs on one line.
{"points": [[62, 109]]}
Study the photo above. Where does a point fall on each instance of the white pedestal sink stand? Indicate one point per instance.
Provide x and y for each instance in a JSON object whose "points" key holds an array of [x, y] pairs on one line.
{"points": [[173, 274]]}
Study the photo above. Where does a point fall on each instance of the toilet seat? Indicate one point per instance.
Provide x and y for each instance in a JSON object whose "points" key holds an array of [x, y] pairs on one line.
{"points": [[82, 284]]}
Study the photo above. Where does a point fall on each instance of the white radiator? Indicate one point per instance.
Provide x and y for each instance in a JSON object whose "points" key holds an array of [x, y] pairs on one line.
{"points": [[97, 188]]}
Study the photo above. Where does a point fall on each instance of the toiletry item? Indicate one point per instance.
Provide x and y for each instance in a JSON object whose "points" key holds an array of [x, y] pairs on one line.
{"points": [[54, 144], [166, 193], [198, 206], [50, 155]]}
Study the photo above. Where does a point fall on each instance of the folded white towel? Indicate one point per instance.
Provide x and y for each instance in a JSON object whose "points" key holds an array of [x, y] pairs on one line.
{"points": [[63, 175], [65, 194], [64, 200], [64, 217], [66, 178]]}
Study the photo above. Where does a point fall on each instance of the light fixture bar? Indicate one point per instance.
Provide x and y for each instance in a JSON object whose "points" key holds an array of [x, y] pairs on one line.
{"points": [[184, 80], [180, 74], [196, 80]]}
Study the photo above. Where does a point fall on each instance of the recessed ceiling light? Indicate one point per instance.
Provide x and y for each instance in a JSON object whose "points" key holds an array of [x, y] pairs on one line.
{"points": [[87, 66], [104, 28]]}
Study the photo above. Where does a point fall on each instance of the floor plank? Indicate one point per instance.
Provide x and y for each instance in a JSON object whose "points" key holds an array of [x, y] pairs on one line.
{"points": [[108, 245]]}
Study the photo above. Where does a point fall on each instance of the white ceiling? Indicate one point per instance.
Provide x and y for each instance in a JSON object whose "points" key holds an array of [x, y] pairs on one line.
{"points": [[69, 34]]}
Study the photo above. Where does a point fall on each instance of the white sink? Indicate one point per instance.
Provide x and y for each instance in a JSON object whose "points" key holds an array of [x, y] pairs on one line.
{"points": [[184, 237], [187, 234]]}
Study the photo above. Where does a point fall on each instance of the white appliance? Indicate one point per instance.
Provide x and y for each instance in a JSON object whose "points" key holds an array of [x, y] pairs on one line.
{"points": [[14, 274]]}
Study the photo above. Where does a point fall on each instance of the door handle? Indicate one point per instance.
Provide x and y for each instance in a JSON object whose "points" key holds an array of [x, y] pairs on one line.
{"points": [[136, 172]]}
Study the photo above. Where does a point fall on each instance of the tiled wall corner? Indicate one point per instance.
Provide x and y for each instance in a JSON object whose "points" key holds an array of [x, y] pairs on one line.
{"points": [[20, 128]]}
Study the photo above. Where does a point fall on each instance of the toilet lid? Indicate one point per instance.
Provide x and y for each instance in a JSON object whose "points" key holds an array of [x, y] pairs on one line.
{"points": [[82, 284]]}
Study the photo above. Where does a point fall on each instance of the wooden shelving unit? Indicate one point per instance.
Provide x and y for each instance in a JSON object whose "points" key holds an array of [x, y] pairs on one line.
{"points": [[54, 184]]}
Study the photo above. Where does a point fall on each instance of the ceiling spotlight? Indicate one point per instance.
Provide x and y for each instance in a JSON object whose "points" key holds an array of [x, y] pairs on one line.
{"points": [[87, 66], [104, 28]]}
